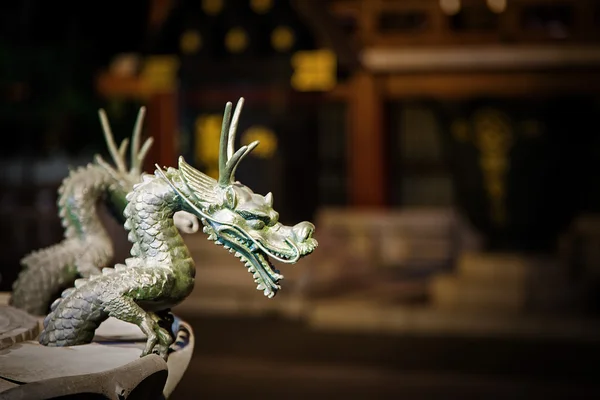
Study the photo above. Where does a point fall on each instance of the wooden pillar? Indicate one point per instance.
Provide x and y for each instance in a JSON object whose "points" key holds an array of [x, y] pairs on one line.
{"points": [[161, 114], [162, 125], [366, 147]]}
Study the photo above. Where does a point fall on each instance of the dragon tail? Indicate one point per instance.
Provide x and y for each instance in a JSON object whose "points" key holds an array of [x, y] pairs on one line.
{"points": [[74, 316], [45, 272]]}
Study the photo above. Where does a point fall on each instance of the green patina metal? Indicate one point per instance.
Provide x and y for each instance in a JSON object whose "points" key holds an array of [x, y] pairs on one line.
{"points": [[160, 273], [86, 247]]}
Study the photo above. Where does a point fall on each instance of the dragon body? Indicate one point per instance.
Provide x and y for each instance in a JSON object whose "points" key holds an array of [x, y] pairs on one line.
{"points": [[160, 272], [87, 246]]}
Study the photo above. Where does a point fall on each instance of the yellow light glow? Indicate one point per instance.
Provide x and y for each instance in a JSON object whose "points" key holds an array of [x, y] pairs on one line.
{"points": [[494, 139], [261, 6], [282, 38], [314, 70], [212, 7], [266, 137], [497, 6], [207, 136], [160, 72], [236, 40], [450, 7], [190, 42]]}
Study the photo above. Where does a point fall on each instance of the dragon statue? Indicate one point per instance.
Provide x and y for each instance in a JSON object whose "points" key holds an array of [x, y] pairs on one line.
{"points": [[86, 247], [160, 273]]}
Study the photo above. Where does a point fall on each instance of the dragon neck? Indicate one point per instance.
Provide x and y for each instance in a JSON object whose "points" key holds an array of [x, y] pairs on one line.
{"points": [[149, 214]]}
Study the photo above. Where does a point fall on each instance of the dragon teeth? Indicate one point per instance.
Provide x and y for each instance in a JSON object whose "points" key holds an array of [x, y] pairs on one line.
{"points": [[251, 269], [238, 254], [256, 275], [261, 286]]}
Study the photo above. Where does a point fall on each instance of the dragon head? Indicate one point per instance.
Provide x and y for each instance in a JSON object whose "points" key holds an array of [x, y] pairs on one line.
{"points": [[124, 179], [244, 222]]}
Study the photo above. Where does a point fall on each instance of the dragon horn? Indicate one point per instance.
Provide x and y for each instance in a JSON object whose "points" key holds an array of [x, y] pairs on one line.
{"points": [[224, 175], [233, 128], [228, 159], [110, 141], [135, 142]]}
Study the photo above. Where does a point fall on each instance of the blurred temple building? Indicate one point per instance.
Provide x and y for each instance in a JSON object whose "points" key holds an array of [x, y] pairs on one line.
{"points": [[447, 150]]}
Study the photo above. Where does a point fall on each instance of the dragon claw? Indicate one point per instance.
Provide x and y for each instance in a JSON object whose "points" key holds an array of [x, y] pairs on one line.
{"points": [[159, 339], [150, 344]]}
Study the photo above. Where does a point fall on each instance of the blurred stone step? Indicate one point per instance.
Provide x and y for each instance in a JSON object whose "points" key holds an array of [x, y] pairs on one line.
{"points": [[458, 293], [497, 267], [224, 301], [402, 249], [375, 318]]}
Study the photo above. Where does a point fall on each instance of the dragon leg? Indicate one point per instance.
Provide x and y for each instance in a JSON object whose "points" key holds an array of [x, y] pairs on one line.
{"points": [[126, 309]]}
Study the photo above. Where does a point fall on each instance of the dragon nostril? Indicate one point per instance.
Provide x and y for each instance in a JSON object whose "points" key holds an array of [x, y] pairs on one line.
{"points": [[303, 231]]}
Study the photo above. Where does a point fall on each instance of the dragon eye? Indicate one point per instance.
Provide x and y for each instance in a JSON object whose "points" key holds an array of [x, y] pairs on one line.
{"points": [[256, 224]]}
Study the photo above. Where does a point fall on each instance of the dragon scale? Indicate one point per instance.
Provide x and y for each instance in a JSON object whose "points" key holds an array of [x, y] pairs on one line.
{"points": [[87, 246], [159, 275], [85, 249]]}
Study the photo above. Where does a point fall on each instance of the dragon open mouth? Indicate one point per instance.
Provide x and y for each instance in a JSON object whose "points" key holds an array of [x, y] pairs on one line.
{"points": [[266, 276], [257, 255]]}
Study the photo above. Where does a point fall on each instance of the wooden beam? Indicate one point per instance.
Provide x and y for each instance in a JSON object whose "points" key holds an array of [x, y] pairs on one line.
{"points": [[209, 97], [111, 85], [488, 58], [161, 115], [325, 26], [162, 126], [366, 154], [456, 85]]}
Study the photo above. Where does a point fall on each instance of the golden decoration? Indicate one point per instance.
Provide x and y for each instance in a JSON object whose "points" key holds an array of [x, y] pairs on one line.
{"points": [[212, 7], [236, 40], [494, 139], [207, 135], [282, 38], [314, 70], [160, 73], [190, 42], [261, 6], [267, 138]]}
